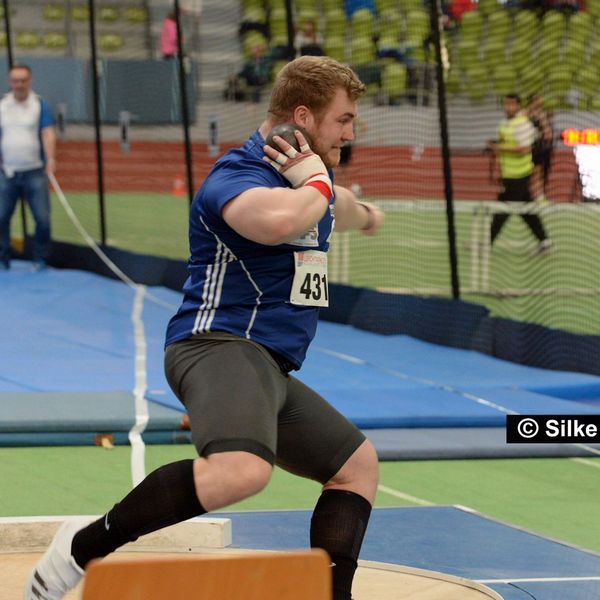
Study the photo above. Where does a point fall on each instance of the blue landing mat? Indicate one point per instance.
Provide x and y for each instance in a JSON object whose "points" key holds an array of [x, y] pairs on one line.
{"points": [[449, 540], [70, 332]]}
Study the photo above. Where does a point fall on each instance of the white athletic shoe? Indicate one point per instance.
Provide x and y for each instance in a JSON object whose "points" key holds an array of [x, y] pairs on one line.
{"points": [[57, 572]]}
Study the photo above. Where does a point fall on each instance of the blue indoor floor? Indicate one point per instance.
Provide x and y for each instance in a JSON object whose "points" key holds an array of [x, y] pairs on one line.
{"points": [[517, 564]]}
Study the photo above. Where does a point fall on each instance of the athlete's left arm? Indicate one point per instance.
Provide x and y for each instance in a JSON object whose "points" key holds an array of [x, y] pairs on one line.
{"points": [[351, 213], [49, 143]]}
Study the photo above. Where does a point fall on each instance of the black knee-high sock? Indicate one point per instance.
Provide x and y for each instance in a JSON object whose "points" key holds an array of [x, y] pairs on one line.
{"points": [[338, 526], [167, 496]]}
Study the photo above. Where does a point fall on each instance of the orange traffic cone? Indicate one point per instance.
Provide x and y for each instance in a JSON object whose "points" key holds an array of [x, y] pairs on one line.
{"points": [[178, 186]]}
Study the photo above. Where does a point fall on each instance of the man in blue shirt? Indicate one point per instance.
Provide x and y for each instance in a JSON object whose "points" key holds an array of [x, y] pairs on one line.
{"points": [[28, 154], [260, 227]]}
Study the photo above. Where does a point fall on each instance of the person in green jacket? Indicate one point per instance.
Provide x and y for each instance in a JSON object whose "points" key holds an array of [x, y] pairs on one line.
{"points": [[513, 151]]}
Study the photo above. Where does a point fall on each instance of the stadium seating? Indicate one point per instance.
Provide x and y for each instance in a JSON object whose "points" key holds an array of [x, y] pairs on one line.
{"points": [[362, 23], [393, 82], [554, 26], [335, 46], [53, 12], [498, 26], [110, 42], [417, 26], [587, 81], [27, 40], [471, 25], [362, 50], [390, 23], [55, 40], [335, 23], [477, 83], [504, 80]]}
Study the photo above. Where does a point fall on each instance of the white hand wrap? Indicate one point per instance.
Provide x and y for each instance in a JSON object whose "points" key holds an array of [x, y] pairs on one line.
{"points": [[303, 168]]}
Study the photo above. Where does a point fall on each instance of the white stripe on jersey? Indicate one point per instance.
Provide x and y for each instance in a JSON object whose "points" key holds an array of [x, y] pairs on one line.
{"points": [[259, 294], [213, 287]]}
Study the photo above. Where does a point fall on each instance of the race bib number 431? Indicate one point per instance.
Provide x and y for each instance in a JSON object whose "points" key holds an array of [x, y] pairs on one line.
{"points": [[309, 287]]}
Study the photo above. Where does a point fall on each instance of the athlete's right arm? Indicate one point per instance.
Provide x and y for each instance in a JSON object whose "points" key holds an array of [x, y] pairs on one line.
{"points": [[273, 216], [278, 215]]}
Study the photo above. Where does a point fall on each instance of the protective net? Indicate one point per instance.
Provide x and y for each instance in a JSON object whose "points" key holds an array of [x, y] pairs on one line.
{"points": [[233, 50]]}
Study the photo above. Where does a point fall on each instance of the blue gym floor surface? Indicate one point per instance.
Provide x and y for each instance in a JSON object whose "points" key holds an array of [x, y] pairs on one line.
{"points": [[67, 357], [452, 540], [67, 373]]}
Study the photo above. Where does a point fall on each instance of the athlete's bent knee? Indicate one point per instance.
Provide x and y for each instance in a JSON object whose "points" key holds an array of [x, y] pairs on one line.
{"points": [[227, 477], [360, 473]]}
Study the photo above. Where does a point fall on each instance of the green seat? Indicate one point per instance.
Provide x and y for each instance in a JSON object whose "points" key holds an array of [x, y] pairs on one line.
{"points": [[27, 40], [335, 46], [109, 14], [504, 80], [390, 23], [525, 25], [394, 82], [521, 54], [587, 81], [307, 14], [494, 54], [574, 54], [383, 5], [487, 7], [306, 5], [468, 53], [254, 14], [55, 40], [417, 26], [593, 8], [531, 81], [558, 85], [477, 83], [53, 12], [470, 25], [595, 53], [2, 39], [80, 12], [548, 55], [362, 50], [335, 23], [453, 81], [580, 26], [362, 23], [407, 5], [553, 26], [498, 26], [278, 23], [327, 5], [110, 42], [136, 14]]}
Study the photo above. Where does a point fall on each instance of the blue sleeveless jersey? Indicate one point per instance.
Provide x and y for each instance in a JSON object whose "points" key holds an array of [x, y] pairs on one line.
{"points": [[236, 285]]}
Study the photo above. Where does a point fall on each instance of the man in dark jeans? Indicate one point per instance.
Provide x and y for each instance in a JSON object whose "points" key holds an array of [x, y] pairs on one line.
{"points": [[513, 150]]}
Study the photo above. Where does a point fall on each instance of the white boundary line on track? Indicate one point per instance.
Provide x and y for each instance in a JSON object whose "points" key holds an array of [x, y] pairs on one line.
{"points": [[586, 462], [138, 448], [397, 494], [540, 579]]}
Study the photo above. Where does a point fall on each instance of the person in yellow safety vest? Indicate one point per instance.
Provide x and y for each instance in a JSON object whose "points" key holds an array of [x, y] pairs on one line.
{"points": [[513, 151]]}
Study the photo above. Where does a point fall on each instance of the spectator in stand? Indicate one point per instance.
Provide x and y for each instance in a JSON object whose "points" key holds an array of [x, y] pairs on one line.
{"points": [[458, 8], [168, 37], [28, 157], [351, 6], [308, 40], [513, 150], [252, 78], [542, 149]]}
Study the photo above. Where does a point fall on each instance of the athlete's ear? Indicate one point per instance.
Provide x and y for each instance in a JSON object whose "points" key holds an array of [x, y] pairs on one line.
{"points": [[303, 116]]}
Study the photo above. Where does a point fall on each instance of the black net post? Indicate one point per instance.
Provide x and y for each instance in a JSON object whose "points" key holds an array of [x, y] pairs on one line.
{"points": [[185, 117], [436, 14], [98, 134]]}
